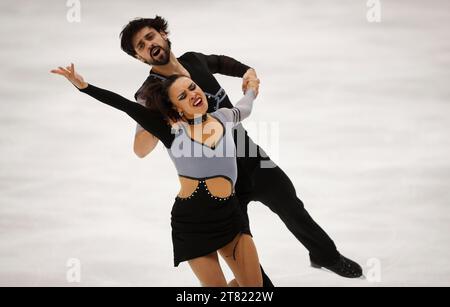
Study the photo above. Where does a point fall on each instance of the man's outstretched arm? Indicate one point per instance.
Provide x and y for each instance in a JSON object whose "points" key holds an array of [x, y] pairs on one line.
{"points": [[225, 65]]}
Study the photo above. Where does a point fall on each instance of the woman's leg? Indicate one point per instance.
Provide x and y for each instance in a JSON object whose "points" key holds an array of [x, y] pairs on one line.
{"points": [[233, 283], [242, 258], [208, 271]]}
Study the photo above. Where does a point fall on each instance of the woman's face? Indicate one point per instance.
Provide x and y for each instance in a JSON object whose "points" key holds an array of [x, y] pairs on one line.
{"points": [[188, 97]]}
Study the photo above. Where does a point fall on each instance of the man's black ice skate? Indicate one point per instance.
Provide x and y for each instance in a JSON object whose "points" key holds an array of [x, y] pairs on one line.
{"points": [[343, 267]]}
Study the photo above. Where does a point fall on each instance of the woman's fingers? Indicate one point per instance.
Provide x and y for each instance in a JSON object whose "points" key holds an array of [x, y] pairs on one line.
{"points": [[250, 81], [64, 70], [69, 73], [57, 71], [72, 68]]}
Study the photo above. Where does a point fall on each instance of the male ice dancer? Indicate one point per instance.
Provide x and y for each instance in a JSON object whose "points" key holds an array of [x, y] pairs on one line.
{"points": [[259, 178]]}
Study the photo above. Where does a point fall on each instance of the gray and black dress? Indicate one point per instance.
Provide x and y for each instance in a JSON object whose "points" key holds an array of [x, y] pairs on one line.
{"points": [[201, 223]]}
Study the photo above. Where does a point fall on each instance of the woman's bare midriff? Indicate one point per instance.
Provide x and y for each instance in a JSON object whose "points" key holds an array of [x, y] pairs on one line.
{"points": [[217, 186]]}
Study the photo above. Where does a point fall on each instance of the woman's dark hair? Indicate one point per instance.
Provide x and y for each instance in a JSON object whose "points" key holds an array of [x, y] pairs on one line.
{"points": [[156, 94], [126, 36]]}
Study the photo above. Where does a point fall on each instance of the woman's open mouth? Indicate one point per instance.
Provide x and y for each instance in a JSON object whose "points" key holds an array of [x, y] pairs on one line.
{"points": [[197, 103]]}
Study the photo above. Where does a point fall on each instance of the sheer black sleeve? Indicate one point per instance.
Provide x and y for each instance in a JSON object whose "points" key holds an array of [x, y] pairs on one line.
{"points": [[151, 121], [225, 65]]}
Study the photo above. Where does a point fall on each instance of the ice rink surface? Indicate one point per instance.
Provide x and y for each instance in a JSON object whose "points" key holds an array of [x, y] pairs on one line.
{"points": [[363, 114]]}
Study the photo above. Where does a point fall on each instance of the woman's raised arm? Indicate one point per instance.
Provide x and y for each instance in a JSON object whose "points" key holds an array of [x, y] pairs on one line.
{"points": [[151, 121]]}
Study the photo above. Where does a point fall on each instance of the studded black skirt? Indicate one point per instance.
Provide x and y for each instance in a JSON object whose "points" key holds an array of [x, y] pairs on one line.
{"points": [[202, 223]]}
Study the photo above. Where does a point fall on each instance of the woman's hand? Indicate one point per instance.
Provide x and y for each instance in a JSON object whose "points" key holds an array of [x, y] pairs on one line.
{"points": [[253, 85], [250, 76], [71, 75]]}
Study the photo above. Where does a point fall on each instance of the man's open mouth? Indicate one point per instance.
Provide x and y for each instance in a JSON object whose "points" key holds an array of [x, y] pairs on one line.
{"points": [[155, 51]]}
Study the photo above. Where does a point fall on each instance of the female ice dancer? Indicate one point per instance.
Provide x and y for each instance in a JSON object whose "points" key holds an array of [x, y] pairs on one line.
{"points": [[206, 216]]}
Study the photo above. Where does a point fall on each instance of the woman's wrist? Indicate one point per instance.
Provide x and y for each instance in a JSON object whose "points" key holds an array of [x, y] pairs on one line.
{"points": [[83, 86]]}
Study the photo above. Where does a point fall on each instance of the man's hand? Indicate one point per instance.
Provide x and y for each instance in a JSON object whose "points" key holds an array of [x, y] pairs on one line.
{"points": [[250, 76]]}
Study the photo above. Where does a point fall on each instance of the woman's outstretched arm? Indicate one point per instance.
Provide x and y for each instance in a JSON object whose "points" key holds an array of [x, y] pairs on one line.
{"points": [[149, 120]]}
